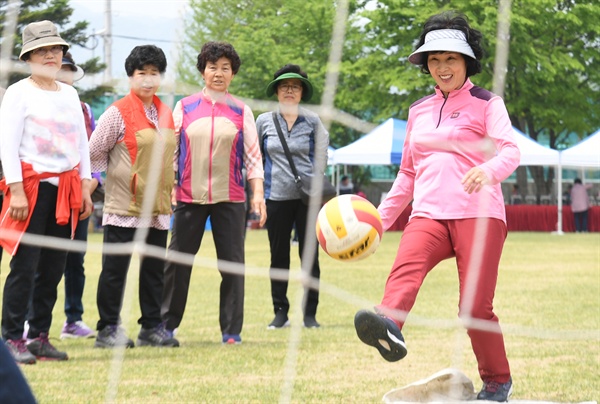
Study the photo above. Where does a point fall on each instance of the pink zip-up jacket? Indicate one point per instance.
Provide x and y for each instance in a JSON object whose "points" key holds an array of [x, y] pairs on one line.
{"points": [[445, 138], [215, 139]]}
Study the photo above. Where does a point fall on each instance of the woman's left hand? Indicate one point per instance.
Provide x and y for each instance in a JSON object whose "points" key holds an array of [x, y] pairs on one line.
{"points": [[474, 180], [87, 206], [257, 202], [260, 208]]}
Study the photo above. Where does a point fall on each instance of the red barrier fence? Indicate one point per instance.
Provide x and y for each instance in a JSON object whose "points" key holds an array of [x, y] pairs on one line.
{"points": [[530, 218]]}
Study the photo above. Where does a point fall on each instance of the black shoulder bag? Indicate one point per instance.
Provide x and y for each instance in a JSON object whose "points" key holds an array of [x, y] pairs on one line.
{"points": [[304, 182]]}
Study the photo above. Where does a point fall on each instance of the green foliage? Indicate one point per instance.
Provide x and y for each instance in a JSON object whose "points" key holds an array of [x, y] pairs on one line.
{"points": [[553, 73], [267, 34]]}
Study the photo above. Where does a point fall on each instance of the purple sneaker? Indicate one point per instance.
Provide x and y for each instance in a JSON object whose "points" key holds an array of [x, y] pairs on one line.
{"points": [[78, 329]]}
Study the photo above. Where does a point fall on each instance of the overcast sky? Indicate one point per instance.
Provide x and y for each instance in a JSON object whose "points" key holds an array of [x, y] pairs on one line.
{"points": [[134, 22]]}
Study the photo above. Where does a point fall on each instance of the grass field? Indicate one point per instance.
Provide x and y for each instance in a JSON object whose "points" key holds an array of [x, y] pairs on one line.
{"points": [[548, 301]]}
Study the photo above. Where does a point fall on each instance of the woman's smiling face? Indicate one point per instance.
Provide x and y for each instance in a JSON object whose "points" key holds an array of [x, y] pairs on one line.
{"points": [[448, 69]]}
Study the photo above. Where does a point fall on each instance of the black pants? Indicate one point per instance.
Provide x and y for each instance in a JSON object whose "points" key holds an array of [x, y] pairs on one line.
{"points": [[228, 224], [111, 285], [35, 272], [281, 218], [581, 220]]}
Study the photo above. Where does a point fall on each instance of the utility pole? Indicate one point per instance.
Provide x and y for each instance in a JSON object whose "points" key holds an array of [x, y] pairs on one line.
{"points": [[108, 42]]}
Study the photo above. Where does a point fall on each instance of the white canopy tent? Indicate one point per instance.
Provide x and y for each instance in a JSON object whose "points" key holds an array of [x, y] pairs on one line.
{"points": [[383, 145], [533, 153], [584, 154]]}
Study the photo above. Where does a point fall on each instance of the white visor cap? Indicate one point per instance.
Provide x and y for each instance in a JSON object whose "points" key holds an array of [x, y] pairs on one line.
{"points": [[443, 40]]}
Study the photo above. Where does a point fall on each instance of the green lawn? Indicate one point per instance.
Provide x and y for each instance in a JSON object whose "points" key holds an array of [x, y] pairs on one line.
{"points": [[548, 301]]}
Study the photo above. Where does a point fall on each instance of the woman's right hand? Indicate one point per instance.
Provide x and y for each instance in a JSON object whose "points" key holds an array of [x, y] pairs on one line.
{"points": [[19, 206]]}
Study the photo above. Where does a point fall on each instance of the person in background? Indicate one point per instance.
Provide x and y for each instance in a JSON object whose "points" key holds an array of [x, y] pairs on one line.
{"points": [[45, 159], [346, 186], [459, 147], [134, 143], [216, 138], [580, 204], [307, 140], [74, 326], [515, 197]]}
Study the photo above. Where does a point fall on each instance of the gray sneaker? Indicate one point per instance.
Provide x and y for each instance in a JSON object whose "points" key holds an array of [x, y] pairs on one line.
{"points": [[113, 336], [44, 350], [157, 336], [20, 353]]}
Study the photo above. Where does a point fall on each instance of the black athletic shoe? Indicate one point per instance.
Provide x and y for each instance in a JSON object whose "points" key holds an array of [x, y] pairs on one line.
{"points": [[280, 321], [18, 350], [382, 333], [311, 322], [43, 349], [113, 336], [494, 391], [157, 336]]}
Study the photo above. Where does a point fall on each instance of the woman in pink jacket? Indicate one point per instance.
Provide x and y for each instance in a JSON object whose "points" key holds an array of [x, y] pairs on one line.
{"points": [[459, 147]]}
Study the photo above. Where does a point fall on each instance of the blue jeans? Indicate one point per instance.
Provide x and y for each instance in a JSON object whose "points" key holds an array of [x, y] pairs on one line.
{"points": [[75, 276]]}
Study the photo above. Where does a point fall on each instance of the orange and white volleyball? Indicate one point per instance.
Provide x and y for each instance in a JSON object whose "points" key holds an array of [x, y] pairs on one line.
{"points": [[349, 228]]}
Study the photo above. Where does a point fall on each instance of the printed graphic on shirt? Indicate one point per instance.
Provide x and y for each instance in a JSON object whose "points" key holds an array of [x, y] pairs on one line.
{"points": [[55, 137]]}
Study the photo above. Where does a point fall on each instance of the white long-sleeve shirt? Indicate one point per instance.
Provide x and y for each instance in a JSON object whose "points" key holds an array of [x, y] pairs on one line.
{"points": [[43, 128]]}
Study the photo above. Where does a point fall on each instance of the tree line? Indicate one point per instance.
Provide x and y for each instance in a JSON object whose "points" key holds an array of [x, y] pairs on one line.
{"points": [[552, 77]]}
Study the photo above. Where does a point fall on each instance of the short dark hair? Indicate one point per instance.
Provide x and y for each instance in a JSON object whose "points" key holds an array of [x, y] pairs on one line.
{"points": [[577, 181], [213, 51], [290, 68], [145, 55], [453, 20]]}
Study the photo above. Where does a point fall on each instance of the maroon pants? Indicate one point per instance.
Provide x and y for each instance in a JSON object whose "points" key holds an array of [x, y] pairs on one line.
{"points": [[477, 245]]}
